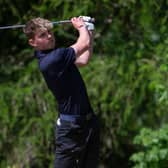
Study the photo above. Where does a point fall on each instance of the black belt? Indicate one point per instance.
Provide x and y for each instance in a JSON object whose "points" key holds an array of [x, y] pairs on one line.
{"points": [[74, 118]]}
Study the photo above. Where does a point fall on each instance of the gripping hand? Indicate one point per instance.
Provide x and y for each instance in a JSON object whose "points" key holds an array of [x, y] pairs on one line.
{"points": [[88, 22]]}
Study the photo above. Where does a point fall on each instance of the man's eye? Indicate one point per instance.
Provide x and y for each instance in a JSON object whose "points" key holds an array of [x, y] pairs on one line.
{"points": [[50, 32]]}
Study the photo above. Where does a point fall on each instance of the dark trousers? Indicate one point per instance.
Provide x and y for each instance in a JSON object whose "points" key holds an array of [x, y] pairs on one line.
{"points": [[77, 143]]}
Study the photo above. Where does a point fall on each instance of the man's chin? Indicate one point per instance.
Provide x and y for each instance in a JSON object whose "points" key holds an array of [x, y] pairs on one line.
{"points": [[50, 47]]}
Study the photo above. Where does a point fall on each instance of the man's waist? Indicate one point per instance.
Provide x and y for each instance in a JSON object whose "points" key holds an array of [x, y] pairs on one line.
{"points": [[75, 118]]}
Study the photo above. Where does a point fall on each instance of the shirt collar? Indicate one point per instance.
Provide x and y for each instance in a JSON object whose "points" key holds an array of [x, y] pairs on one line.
{"points": [[40, 54]]}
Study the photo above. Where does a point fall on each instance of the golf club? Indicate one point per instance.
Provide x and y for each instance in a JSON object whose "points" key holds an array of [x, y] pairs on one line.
{"points": [[91, 20]]}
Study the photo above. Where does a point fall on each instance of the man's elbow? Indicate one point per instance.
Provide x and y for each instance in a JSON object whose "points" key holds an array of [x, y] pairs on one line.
{"points": [[82, 62]]}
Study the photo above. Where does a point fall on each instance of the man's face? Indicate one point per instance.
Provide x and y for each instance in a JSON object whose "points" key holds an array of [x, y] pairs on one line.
{"points": [[43, 40]]}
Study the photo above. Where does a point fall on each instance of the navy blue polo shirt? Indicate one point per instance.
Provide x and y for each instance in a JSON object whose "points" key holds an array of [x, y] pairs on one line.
{"points": [[64, 80]]}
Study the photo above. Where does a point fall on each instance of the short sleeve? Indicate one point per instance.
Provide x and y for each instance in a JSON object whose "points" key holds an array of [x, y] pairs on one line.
{"points": [[57, 61], [68, 56]]}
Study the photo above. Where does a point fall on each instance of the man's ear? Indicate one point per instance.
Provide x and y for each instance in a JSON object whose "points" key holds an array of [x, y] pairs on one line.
{"points": [[32, 42]]}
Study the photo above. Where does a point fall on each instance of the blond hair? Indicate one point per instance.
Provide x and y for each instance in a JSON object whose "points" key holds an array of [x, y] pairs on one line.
{"points": [[36, 24]]}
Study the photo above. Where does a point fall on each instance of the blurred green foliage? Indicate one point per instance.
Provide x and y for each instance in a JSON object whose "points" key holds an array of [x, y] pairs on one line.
{"points": [[153, 151], [127, 78]]}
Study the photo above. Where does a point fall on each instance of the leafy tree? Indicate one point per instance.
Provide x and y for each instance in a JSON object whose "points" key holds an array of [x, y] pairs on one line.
{"points": [[153, 152], [126, 78]]}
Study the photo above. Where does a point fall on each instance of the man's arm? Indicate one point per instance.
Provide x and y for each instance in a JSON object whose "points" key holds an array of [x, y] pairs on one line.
{"points": [[82, 47], [84, 58]]}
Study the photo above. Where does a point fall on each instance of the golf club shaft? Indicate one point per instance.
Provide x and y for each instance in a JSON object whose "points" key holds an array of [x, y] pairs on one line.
{"points": [[23, 25]]}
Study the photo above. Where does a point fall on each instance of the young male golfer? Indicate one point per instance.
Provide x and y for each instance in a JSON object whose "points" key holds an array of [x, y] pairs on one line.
{"points": [[77, 128]]}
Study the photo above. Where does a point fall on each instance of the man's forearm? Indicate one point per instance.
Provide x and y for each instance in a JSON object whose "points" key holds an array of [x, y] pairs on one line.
{"points": [[84, 39], [83, 45], [84, 58]]}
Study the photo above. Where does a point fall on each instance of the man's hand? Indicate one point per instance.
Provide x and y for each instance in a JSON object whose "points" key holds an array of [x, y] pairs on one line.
{"points": [[89, 26], [86, 18], [87, 21], [77, 22]]}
